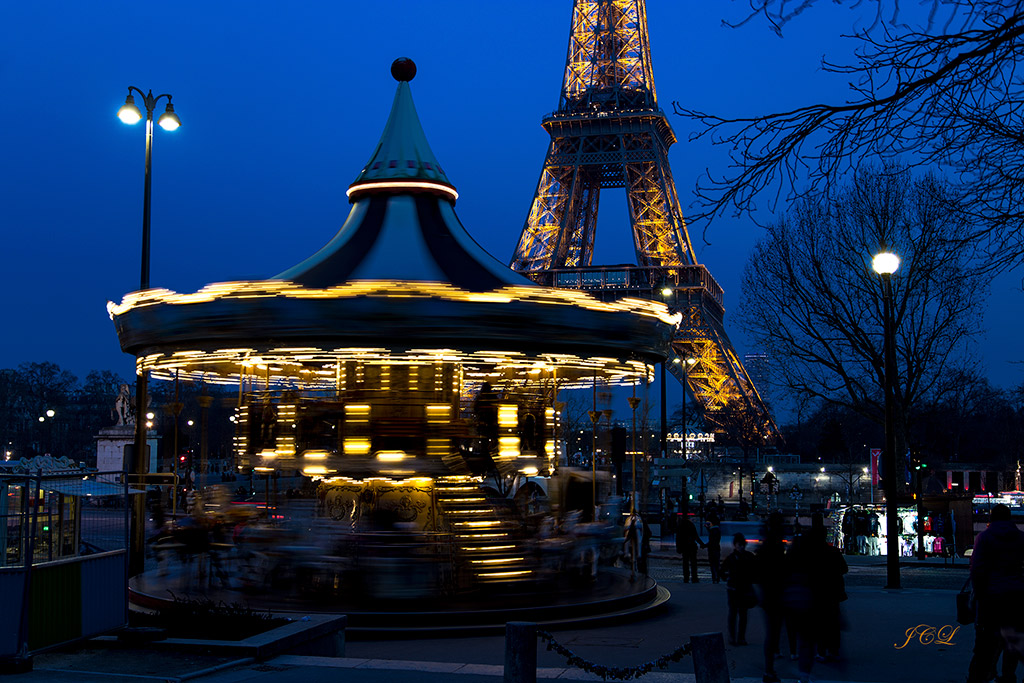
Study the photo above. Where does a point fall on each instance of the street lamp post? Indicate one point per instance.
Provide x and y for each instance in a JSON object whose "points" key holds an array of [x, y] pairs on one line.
{"points": [[885, 264], [686, 378], [634, 403], [595, 416], [129, 113], [666, 293], [664, 414], [50, 414]]}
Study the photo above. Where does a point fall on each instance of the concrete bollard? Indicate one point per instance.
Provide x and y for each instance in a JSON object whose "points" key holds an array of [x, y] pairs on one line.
{"points": [[709, 663], [520, 652]]}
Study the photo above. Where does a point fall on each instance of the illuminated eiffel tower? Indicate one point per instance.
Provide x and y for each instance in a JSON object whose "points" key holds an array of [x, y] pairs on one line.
{"points": [[609, 132]]}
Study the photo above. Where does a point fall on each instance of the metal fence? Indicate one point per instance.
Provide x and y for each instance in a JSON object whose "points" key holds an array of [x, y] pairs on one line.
{"points": [[63, 572]]}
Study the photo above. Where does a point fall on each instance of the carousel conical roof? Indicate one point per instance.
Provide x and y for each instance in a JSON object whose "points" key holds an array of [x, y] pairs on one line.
{"points": [[401, 276], [403, 224]]}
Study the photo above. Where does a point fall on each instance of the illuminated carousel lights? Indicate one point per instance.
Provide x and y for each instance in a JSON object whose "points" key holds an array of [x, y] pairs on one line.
{"points": [[210, 369], [390, 288]]}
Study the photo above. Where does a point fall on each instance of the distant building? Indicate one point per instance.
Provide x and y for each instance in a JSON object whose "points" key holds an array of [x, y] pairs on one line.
{"points": [[756, 365]]}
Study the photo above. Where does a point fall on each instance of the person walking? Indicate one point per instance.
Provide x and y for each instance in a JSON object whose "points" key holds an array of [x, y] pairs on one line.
{"points": [[997, 575], [812, 593], [714, 546], [739, 571], [770, 565], [831, 590], [687, 541]]}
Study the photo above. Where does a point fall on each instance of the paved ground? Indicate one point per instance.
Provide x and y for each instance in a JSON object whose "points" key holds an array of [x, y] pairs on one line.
{"points": [[876, 648]]}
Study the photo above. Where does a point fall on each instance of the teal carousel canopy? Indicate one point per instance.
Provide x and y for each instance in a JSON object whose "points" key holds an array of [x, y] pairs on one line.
{"points": [[402, 278]]}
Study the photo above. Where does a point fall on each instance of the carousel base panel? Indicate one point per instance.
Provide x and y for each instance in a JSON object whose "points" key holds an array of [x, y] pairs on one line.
{"points": [[611, 596]]}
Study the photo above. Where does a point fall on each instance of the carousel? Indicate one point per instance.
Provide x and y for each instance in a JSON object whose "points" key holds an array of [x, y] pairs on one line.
{"points": [[408, 373]]}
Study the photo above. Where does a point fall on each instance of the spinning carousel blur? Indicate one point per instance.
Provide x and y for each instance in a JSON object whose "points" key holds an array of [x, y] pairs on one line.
{"points": [[416, 380]]}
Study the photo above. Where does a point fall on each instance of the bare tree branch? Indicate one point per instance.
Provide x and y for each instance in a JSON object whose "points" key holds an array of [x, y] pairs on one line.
{"points": [[948, 96]]}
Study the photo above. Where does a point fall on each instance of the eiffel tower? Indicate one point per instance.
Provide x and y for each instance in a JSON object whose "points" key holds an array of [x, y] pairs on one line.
{"points": [[608, 132]]}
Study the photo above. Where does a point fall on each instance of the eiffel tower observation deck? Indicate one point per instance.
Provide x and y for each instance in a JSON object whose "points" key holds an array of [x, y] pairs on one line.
{"points": [[608, 132]]}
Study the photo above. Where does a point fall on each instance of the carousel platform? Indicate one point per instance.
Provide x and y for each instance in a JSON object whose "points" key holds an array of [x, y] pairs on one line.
{"points": [[612, 596]]}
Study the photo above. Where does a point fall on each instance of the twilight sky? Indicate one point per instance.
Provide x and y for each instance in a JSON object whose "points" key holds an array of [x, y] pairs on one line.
{"points": [[282, 104]]}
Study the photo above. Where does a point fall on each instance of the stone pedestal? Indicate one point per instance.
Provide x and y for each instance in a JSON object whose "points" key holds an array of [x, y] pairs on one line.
{"points": [[110, 444]]}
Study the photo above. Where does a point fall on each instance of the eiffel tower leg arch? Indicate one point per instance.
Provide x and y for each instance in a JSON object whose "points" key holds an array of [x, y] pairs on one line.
{"points": [[609, 132]]}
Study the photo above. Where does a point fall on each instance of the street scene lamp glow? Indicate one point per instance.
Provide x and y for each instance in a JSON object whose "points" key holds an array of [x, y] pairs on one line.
{"points": [[885, 263], [129, 113], [169, 120], [666, 291], [50, 413]]}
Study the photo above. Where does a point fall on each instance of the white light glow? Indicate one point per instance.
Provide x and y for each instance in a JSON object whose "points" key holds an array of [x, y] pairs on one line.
{"points": [[885, 263], [403, 185]]}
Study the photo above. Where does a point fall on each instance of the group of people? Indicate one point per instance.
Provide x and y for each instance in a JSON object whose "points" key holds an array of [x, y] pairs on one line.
{"points": [[800, 588]]}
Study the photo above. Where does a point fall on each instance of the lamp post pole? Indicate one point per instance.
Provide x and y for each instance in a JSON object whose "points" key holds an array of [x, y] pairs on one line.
{"points": [[664, 414], [595, 415], [686, 363], [666, 293], [885, 264], [682, 408], [130, 114], [634, 403]]}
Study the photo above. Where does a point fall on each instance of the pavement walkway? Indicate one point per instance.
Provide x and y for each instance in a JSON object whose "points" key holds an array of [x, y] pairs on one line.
{"points": [[892, 637]]}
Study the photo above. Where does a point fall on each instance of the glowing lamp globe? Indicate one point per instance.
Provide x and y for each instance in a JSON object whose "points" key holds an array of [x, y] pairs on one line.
{"points": [[129, 113], [169, 120], [885, 263]]}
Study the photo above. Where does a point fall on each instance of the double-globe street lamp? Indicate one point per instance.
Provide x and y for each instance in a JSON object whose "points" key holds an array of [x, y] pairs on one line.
{"points": [[129, 113], [885, 264], [51, 413]]}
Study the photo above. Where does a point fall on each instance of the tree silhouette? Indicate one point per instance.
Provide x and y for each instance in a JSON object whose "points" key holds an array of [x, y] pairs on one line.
{"points": [[809, 294], [937, 85]]}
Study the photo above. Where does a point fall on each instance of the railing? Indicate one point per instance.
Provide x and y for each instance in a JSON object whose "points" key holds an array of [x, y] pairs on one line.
{"points": [[707, 650], [630, 280], [63, 559]]}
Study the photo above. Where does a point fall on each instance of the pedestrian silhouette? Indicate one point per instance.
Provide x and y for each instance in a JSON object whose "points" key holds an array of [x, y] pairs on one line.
{"points": [[687, 541], [997, 575], [714, 546], [813, 593], [739, 572], [770, 562]]}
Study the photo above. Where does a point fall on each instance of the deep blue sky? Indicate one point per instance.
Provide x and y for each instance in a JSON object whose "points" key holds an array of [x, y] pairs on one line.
{"points": [[282, 104]]}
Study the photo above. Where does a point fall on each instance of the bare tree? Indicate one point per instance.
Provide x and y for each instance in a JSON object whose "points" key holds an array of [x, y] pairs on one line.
{"points": [[810, 296], [942, 91]]}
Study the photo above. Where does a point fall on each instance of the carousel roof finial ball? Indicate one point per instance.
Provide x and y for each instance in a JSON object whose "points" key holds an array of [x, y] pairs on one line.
{"points": [[403, 69]]}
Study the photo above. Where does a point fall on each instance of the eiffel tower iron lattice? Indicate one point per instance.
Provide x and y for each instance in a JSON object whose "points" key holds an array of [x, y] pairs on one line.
{"points": [[608, 132]]}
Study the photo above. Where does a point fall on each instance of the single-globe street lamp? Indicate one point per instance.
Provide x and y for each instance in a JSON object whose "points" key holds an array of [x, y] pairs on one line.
{"points": [[885, 264], [129, 113], [666, 293]]}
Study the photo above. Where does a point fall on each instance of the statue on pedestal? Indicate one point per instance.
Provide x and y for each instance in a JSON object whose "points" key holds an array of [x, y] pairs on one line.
{"points": [[124, 408]]}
